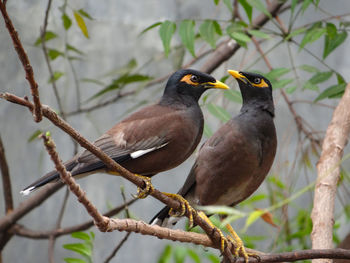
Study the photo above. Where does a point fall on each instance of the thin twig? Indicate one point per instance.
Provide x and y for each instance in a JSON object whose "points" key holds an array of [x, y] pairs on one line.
{"points": [[40, 234], [22, 55], [47, 59], [125, 238]]}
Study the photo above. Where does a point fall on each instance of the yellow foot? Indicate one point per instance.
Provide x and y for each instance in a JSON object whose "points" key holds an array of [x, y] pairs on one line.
{"points": [[239, 245], [185, 207], [148, 189], [223, 239]]}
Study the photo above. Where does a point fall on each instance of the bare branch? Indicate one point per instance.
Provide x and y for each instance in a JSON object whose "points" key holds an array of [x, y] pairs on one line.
{"points": [[22, 55], [36, 234], [328, 173]]}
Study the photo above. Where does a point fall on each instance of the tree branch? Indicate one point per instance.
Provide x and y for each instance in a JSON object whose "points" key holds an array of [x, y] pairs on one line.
{"points": [[328, 174], [22, 55]]}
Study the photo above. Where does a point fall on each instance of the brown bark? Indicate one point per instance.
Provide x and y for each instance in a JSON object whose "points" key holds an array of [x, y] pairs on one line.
{"points": [[328, 174]]}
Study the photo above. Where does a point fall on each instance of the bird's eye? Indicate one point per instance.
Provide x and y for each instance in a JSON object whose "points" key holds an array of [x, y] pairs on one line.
{"points": [[257, 80], [194, 78]]}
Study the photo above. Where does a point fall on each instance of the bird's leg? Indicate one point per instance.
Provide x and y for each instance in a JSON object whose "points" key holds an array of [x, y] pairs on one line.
{"points": [[185, 206], [223, 239], [148, 189], [239, 245]]}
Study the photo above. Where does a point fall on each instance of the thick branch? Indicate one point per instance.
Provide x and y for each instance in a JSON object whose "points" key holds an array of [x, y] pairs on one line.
{"points": [[328, 173], [22, 55]]}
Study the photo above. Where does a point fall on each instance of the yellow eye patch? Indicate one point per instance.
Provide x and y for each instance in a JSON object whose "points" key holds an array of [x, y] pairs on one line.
{"points": [[187, 79], [262, 84]]}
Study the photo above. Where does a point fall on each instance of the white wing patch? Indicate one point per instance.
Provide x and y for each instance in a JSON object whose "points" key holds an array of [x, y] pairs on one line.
{"points": [[139, 153], [27, 191]]}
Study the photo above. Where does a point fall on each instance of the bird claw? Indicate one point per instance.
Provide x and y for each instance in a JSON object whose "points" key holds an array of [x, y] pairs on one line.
{"points": [[147, 190], [239, 245], [185, 207]]}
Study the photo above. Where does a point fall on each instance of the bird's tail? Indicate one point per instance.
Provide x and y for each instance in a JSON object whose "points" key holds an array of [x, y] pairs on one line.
{"points": [[162, 218], [52, 176]]}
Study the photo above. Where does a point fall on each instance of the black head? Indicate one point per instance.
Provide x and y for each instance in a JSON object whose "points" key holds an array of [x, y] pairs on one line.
{"points": [[189, 84], [255, 89]]}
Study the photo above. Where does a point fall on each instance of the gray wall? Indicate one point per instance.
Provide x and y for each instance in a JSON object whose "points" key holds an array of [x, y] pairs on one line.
{"points": [[114, 41]]}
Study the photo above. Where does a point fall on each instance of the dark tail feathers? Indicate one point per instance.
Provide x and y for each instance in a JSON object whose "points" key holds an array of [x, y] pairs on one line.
{"points": [[52, 176]]}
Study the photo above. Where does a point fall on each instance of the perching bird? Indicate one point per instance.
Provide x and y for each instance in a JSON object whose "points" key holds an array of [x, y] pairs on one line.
{"points": [[155, 138], [233, 162]]}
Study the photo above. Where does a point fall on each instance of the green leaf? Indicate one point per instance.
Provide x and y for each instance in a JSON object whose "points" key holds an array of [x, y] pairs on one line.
{"points": [[259, 34], [254, 199], [295, 33], [228, 4], [81, 235], [207, 32], [277, 72], [79, 248], [320, 77], [56, 76], [332, 43], [218, 112], [54, 53], [193, 254], [121, 81], [331, 30], [217, 28], [34, 135], [308, 85], [240, 36], [74, 49], [290, 90], [216, 2], [305, 5], [81, 24], [67, 22], [309, 68], [95, 81], [247, 8], [180, 254], [260, 6], [312, 35], [85, 14], [280, 84], [293, 5], [74, 260], [166, 32], [150, 27], [332, 92], [213, 258], [126, 69], [207, 131], [48, 36], [186, 32], [252, 218], [233, 95], [165, 257]]}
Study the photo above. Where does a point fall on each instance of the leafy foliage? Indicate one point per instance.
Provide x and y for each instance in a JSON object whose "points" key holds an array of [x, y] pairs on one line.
{"points": [[83, 248]]}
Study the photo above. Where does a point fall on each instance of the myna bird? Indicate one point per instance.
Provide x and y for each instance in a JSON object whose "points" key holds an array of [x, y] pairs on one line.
{"points": [[233, 162], [155, 138]]}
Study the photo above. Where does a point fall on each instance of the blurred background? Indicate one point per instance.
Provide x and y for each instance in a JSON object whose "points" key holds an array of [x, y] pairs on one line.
{"points": [[310, 67]]}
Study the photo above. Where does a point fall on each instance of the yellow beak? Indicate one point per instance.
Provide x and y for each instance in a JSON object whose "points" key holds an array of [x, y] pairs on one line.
{"points": [[237, 75], [217, 85]]}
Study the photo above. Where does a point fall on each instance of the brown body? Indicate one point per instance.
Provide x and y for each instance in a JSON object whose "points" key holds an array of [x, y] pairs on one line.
{"points": [[162, 126], [245, 159]]}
